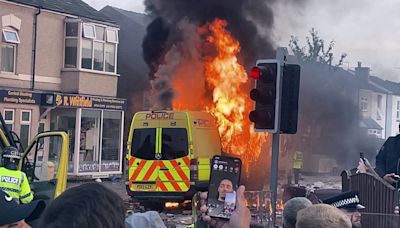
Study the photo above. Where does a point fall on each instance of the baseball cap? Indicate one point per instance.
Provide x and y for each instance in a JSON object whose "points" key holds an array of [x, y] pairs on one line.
{"points": [[11, 211]]}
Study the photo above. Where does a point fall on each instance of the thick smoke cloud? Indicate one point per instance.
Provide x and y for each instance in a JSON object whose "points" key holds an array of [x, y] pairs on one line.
{"points": [[244, 17]]}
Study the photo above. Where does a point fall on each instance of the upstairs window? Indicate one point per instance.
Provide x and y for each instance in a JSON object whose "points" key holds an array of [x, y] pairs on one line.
{"points": [[71, 45], [97, 44], [99, 47], [112, 36], [11, 36], [7, 58], [89, 31], [364, 104]]}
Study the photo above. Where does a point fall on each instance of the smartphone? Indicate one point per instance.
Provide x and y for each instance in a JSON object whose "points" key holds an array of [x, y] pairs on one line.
{"points": [[362, 156], [224, 181]]}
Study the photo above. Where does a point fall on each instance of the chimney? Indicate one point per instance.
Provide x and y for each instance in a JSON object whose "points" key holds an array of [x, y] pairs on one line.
{"points": [[362, 72]]}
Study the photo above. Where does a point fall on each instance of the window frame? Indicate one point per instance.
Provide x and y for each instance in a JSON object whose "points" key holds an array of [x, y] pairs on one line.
{"points": [[398, 111], [81, 37], [104, 54], [116, 36], [12, 122], [364, 101], [4, 30], [26, 122], [84, 33], [14, 46]]}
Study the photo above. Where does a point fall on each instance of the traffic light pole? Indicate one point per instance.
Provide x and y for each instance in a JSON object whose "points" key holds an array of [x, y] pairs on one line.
{"points": [[274, 174]]}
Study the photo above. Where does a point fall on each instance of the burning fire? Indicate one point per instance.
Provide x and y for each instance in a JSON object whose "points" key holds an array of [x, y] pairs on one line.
{"points": [[226, 78]]}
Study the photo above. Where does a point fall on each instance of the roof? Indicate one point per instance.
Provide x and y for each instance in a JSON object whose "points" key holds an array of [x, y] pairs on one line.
{"points": [[369, 123], [393, 87], [139, 18], [73, 7], [372, 86]]}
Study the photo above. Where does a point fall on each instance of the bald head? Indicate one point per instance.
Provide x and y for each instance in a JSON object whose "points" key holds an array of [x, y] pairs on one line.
{"points": [[322, 216], [291, 208]]}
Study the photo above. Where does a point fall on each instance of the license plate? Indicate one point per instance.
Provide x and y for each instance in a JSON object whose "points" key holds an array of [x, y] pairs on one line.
{"points": [[144, 187]]}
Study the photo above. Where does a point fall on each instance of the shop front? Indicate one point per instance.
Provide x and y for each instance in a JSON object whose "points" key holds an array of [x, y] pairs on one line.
{"points": [[95, 127]]}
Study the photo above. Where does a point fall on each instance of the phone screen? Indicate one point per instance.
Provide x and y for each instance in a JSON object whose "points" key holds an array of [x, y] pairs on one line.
{"points": [[224, 181]]}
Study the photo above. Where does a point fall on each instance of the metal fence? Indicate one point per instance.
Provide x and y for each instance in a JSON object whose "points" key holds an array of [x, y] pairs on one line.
{"points": [[379, 198]]}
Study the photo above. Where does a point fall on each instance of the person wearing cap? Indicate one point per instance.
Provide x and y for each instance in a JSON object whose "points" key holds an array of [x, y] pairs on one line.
{"points": [[13, 181], [349, 203], [17, 215]]}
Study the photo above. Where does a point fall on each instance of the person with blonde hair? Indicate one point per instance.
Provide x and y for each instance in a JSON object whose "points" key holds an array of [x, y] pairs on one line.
{"points": [[322, 216]]}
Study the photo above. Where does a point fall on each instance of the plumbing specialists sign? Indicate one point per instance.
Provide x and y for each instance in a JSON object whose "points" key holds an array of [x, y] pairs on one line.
{"points": [[20, 97]]}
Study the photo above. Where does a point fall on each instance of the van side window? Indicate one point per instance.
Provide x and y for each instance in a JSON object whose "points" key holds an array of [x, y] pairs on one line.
{"points": [[143, 143], [174, 143]]}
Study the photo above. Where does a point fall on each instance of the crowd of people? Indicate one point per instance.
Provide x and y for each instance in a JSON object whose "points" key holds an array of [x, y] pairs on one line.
{"points": [[93, 205]]}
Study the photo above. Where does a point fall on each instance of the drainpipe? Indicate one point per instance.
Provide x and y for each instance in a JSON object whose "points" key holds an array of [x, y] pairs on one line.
{"points": [[38, 11]]}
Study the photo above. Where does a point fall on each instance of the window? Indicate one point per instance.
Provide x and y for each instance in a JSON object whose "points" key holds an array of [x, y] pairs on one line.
{"points": [[10, 36], [98, 56], [25, 127], [143, 143], [364, 104], [71, 45], [89, 31], [71, 29], [100, 33], [110, 58], [112, 36], [98, 47], [174, 143], [379, 102], [398, 111], [86, 54], [7, 58], [9, 118], [111, 141]]}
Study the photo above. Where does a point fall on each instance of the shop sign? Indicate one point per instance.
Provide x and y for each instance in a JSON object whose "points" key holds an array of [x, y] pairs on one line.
{"points": [[81, 101], [19, 97]]}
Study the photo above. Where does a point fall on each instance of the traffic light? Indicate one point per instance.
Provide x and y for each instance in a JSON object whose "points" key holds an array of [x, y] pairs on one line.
{"points": [[290, 98], [266, 95]]}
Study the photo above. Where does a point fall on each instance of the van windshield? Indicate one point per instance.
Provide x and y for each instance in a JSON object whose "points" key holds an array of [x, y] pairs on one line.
{"points": [[143, 143], [174, 143]]}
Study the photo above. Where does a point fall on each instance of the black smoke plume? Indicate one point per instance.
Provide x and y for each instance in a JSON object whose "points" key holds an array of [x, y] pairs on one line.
{"points": [[154, 44], [243, 17]]}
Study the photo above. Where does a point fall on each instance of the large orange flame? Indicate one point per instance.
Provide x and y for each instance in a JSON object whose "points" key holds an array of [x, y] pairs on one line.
{"points": [[226, 78]]}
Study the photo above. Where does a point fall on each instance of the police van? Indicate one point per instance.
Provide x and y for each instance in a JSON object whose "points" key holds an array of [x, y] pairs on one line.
{"points": [[169, 152]]}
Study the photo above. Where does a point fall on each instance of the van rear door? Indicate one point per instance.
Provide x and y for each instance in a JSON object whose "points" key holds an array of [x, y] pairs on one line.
{"points": [[175, 157], [143, 167]]}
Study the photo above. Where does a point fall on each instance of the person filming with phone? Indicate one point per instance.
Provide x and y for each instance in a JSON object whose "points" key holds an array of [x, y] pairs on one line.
{"points": [[388, 160]]}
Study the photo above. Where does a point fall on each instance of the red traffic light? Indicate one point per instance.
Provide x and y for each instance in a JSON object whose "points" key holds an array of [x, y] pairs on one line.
{"points": [[255, 73]]}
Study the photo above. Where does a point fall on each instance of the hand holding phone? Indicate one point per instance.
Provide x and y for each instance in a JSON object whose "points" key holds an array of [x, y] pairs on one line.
{"points": [[224, 181]]}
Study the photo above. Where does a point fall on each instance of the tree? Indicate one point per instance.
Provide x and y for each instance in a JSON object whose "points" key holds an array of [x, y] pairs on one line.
{"points": [[315, 50]]}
